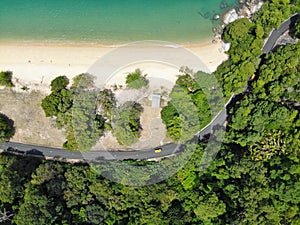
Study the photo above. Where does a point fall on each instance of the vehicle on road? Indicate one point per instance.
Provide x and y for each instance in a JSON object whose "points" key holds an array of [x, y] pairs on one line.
{"points": [[157, 150], [252, 77]]}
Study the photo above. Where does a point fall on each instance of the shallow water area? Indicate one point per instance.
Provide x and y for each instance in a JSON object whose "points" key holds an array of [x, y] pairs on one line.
{"points": [[109, 21]]}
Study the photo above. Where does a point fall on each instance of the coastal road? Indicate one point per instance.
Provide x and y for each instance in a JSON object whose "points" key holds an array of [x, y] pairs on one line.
{"points": [[58, 153], [276, 33], [101, 155], [209, 129]]}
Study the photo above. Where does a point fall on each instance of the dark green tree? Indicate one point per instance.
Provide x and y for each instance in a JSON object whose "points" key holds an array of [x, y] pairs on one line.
{"points": [[35, 210], [58, 102], [5, 79], [59, 83], [295, 29], [7, 129]]}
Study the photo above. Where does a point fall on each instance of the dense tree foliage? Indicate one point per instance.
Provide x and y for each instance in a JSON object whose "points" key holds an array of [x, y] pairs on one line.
{"points": [[75, 111], [15, 173], [126, 123], [59, 83], [279, 76], [274, 12], [7, 128], [188, 111], [136, 80], [5, 79], [106, 102], [243, 36], [247, 38]]}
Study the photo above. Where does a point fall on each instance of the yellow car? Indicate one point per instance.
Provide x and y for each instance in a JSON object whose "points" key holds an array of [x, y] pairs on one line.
{"points": [[157, 150], [252, 77]]}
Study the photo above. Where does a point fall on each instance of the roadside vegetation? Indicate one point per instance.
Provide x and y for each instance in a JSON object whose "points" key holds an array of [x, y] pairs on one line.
{"points": [[126, 123], [74, 109], [295, 29], [188, 111], [254, 179]]}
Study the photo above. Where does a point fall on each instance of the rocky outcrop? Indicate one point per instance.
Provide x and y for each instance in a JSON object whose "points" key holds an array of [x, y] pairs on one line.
{"points": [[251, 7], [226, 46], [230, 16], [247, 10]]}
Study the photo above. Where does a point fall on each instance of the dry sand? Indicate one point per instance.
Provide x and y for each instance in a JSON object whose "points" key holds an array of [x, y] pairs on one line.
{"points": [[39, 63]]}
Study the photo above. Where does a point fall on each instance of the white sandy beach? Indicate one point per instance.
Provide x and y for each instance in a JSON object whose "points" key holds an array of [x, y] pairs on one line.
{"points": [[39, 63]]}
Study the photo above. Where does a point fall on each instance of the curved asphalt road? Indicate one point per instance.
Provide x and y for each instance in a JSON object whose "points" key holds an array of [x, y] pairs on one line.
{"points": [[167, 150], [143, 154], [276, 33], [42, 151]]}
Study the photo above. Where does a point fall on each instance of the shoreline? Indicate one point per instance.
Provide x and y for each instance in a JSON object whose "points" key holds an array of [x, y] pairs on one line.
{"points": [[53, 43], [35, 63]]}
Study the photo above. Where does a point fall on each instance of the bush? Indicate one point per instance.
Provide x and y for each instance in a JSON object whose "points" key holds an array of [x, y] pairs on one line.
{"points": [[136, 80], [5, 79]]}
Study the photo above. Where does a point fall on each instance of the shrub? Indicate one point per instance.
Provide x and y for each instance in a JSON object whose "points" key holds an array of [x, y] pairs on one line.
{"points": [[136, 80], [5, 79]]}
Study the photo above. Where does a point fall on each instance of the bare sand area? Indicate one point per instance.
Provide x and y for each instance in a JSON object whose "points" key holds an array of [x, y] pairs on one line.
{"points": [[31, 125]]}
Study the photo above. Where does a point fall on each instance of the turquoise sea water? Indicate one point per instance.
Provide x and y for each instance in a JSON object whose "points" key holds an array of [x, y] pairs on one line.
{"points": [[109, 21]]}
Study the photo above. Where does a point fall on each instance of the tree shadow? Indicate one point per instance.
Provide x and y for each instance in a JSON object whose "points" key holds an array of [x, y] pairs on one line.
{"points": [[10, 123], [292, 27], [35, 152]]}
